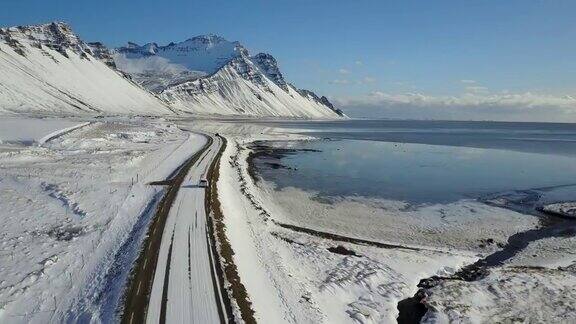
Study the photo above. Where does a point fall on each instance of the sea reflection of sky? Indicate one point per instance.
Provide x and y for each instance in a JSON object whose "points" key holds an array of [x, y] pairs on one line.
{"points": [[418, 173]]}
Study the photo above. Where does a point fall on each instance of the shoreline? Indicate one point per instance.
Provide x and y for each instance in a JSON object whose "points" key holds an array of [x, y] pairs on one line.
{"points": [[411, 311], [270, 229]]}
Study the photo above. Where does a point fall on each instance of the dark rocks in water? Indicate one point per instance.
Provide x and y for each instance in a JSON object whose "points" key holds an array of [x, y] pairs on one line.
{"points": [[342, 250], [277, 166], [270, 156]]}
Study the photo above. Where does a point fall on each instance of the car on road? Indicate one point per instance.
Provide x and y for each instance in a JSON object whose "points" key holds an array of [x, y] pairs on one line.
{"points": [[203, 182]]}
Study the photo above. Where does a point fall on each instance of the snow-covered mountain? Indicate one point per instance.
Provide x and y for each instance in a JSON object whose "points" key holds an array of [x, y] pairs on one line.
{"points": [[48, 69], [210, 75]]}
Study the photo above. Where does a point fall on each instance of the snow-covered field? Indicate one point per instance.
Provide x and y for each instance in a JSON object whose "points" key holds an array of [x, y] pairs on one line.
{"points": [[73, 212]]}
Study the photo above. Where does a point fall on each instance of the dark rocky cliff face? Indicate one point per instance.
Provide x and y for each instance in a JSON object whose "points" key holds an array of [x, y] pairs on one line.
{"points": [[322, 100], [327, 103], [267, 63], [101, 52], [57, 36]]}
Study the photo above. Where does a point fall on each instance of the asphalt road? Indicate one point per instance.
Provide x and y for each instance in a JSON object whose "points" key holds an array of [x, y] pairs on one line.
{"points": [[174, 279]]}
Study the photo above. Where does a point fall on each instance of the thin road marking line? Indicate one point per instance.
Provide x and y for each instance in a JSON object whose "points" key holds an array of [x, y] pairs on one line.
{"points": [[145, 261], [138, 290], [131, 317]]}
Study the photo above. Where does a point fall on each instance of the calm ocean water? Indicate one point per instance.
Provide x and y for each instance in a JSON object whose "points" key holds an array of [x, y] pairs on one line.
{"points": [[425, 161]]}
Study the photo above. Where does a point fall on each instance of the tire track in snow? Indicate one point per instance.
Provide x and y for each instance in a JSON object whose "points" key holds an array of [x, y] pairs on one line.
{"points": [[166, 281]]}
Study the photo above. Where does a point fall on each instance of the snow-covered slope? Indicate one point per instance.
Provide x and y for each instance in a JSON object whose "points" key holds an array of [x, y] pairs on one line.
{"points": [[47, 69], [210, 75]]}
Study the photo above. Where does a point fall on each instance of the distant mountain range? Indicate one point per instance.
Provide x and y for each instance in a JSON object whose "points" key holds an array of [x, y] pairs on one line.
{"points": [[48, 69]]}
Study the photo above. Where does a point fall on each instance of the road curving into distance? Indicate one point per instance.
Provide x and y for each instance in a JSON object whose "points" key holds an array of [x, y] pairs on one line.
{"points": [[174, 278]]}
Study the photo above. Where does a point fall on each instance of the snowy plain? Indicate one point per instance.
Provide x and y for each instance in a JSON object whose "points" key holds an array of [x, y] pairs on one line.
{"points": [[73, 213]]}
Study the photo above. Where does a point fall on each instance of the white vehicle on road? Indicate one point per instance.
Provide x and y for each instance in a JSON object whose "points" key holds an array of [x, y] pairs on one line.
{"points": [[203, 182]]}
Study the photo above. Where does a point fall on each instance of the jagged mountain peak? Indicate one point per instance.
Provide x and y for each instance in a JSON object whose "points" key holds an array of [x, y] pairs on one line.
{"points": [[201, 55], [210, 43], [57, 32], [208, 39], [266, 56], [209, 67], [55, 35], [134, 48], [269, 66], [132, 45]]}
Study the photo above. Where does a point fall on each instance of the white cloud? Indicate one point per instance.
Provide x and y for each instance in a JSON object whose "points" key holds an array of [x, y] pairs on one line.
{"points": [[340, 81], [476, 89], [367, 80], [344, 71], [468, 81], [480, 106], [358, 62]]}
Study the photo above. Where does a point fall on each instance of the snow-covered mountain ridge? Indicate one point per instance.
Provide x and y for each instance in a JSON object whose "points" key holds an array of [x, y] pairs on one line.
{"points": [[48, 69], [209, 75]]}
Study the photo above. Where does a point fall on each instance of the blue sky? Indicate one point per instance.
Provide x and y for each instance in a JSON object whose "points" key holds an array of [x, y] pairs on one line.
{"points": [[360, 53]]}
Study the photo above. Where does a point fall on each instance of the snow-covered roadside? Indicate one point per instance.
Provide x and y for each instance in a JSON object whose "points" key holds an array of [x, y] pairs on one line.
{"points": [[293, 277], [67, 209]]}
